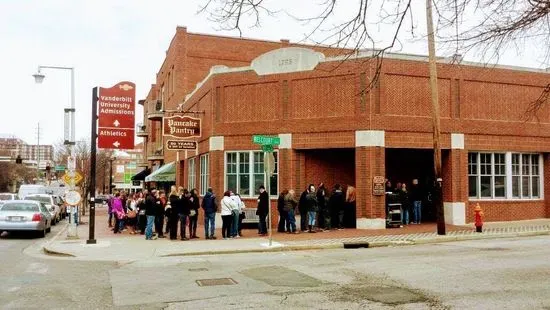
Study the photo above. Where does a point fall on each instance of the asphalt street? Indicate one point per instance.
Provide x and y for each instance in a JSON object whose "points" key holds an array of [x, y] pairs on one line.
{"points": [[482, 274]]}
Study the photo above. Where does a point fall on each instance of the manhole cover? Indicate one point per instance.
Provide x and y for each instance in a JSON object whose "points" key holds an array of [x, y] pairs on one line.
{"points": [[198, 269], [494, 249], [213, 282]]}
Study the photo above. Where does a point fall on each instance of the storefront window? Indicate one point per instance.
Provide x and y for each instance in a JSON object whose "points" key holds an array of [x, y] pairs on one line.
{"points": [[204, 173], [191, 176], [244, 173], [488, 176]]}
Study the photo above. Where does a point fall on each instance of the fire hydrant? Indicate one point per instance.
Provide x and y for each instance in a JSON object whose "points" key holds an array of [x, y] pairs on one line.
{"points": [[478, 218]]}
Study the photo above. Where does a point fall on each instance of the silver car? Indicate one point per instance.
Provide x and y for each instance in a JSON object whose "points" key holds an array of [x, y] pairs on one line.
{"points": [[25, 215], [50, 203]]}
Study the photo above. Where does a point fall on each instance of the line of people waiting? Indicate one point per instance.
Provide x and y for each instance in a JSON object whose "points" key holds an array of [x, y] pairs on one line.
{"points": [[319, 210]]}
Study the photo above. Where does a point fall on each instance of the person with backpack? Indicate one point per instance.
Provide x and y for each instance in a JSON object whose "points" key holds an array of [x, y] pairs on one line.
{"points": [[210, 208]]}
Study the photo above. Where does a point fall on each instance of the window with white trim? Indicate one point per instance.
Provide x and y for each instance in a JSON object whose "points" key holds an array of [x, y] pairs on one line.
{"points": [[244, 173], [204, 173], [192, 174], [497, 176]]}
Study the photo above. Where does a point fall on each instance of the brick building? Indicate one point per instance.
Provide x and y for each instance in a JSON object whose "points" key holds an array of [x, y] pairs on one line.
{"points": [[333, 131]]}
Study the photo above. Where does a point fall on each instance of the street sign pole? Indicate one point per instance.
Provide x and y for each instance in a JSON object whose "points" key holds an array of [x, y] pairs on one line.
{"points": [[93, 151], [268, 189], [267, 144]]}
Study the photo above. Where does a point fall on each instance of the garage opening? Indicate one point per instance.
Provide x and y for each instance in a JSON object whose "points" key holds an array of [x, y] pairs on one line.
{"points": [[404, 165]]}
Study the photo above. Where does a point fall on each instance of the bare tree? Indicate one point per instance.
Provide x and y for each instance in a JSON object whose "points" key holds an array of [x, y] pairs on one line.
{"points": [[484, 28]]}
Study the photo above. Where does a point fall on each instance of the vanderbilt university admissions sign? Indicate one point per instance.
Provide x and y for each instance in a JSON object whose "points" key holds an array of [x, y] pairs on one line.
{"points": [[181, 128]]}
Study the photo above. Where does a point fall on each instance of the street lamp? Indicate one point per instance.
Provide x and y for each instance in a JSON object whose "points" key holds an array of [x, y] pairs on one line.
{"points": [[69, 135]]}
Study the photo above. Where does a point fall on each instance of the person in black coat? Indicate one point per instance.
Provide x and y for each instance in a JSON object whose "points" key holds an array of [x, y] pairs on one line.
{"points": [[263, 210], [336, 204], [194, 206], [283, 216], [322, 200], [302, 208], [172, 213]]}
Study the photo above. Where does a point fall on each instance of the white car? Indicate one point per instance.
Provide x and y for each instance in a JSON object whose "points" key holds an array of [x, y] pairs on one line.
{"points": [[7, 197], [50, 203]]}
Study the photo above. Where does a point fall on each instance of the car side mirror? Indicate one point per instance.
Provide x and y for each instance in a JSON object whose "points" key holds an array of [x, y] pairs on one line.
{"points": [[52, 209]]}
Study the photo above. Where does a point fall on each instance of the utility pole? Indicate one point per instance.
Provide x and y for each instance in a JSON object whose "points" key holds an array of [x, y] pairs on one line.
{"points": [[438, 189], [38, 151]]}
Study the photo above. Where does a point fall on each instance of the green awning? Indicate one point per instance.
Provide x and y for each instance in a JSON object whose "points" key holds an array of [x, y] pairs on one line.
{"points": [[166, 173]]}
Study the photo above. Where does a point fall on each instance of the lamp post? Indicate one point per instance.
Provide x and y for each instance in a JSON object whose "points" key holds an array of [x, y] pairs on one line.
{"points": [[69, 136]]}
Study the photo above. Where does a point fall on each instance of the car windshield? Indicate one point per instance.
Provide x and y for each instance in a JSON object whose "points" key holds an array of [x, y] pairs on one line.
{"points": [[6, 197], [44, 199], [20, 206]]}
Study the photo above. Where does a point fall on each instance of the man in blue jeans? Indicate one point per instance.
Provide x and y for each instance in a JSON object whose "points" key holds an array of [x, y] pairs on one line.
{"points": [[210, 208], [150, 204], [416, 197]]}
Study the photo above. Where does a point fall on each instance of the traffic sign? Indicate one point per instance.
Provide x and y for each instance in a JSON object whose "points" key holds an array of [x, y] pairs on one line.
{"points": [[266, 140], [116, 116], [75, 177], [73, 198], [60, 168], [267, 148]]}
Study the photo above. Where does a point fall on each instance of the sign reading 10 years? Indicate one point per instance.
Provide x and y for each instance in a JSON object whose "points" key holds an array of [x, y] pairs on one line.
{"points": [[180, 128]]}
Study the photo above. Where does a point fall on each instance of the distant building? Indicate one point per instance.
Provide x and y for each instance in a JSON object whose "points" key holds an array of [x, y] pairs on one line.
{"points": [[31, 154]]}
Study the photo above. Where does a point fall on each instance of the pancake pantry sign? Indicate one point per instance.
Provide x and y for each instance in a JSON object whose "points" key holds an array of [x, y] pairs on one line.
{"points": [[181, 127]]}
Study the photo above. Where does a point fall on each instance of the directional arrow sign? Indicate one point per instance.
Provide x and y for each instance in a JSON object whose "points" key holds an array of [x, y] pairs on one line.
{"points": [[108, 138], [116, 116]]}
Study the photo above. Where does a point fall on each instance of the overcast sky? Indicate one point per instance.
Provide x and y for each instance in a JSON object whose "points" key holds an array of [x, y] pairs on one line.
{"points": [[110, 41]]}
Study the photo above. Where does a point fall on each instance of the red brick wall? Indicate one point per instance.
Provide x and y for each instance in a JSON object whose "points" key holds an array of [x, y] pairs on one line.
{"points": [[323, 108], [507, 210]]}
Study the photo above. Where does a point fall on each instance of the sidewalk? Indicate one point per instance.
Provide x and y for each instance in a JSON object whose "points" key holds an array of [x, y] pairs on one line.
{"points": [[126, 247]]}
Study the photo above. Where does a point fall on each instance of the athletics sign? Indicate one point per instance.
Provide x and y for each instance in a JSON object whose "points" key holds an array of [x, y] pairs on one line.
{"points": [[116, 115], [181, 127]]}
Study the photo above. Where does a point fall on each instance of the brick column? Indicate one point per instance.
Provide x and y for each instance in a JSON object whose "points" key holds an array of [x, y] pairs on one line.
{"points": [[369, 162], [455, 181]]}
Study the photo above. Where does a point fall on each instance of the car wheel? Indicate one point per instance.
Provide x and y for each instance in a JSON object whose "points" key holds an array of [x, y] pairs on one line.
{"points": [[42, 233], [49, 229]]}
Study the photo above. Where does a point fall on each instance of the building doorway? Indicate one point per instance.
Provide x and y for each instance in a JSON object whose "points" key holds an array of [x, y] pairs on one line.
{"points": [[404, 165], [332, 166]]}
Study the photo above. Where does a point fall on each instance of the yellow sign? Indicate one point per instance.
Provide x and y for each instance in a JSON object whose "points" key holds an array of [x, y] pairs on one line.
{"points": [[75, 177]]}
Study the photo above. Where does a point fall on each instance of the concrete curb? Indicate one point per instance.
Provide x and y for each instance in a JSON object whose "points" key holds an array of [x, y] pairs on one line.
{"points": [[48, 251], [338, 245], [266, 250]]}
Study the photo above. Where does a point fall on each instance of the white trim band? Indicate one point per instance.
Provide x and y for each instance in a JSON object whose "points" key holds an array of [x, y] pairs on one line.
{"points": [[457, 141], [216, 143], [455, 213], [370, 138]]}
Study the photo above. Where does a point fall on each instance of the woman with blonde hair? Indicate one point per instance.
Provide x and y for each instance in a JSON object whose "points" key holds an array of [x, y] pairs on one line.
{"points": [[350, 207], [171, 212]]}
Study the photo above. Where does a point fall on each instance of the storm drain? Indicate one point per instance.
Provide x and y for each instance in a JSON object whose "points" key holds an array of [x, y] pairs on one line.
{"points": [[214, 282], [198, 269]]}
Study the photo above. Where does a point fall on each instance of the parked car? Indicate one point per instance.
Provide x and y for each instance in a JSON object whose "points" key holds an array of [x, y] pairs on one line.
{"points": [[6, 197], [31, 189], [25, 215], [62, 206], [50, 203]]}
